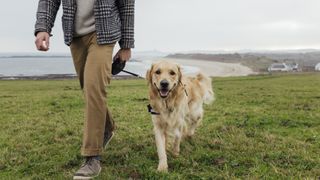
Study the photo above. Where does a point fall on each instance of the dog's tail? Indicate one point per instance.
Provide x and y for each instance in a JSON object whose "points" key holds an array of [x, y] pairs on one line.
{"points": [[205, 81]]}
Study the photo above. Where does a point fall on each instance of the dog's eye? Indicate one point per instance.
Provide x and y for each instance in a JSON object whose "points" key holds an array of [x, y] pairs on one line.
{"points": [[158, 72], [172, 73]]}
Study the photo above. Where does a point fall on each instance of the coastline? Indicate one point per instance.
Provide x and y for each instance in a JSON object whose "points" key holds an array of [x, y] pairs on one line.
{"points": [[213, 68], [57, 77], [54, 69]]}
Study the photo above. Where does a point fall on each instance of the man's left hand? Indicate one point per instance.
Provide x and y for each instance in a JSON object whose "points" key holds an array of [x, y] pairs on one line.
{"points": [[123, 54]]}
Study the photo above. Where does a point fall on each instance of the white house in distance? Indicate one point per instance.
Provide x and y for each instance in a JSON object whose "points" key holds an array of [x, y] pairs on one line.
{"points": [[317, 67]]}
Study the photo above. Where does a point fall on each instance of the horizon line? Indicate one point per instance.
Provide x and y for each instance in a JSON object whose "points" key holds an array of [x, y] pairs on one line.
{"points": [[178, 51]]}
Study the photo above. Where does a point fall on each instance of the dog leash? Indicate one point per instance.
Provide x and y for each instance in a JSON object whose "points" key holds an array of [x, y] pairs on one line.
{"points": [[118, 66], [131, 73]]}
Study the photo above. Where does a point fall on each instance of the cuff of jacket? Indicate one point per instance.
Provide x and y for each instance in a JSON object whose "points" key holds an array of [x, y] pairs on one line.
{"points": [[36, 31], [125, 44], [41, 27]]}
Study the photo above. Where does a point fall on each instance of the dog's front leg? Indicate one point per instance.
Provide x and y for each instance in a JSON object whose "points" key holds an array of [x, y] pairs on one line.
{"points": [[161, 148], [177, 140]]}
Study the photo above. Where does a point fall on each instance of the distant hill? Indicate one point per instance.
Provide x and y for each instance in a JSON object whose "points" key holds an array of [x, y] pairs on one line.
{"points": [[258, 61]]}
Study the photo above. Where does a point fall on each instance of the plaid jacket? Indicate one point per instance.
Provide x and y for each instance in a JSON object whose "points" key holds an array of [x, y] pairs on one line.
{"points": [[114, 20]]}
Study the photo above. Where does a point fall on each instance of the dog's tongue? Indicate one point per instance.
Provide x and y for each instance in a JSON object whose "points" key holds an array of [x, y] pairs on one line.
{"points": [[164, 92]]}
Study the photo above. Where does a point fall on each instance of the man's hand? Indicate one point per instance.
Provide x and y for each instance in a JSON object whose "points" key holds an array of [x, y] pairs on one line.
{"points": [[123, 54], [42, 41]]}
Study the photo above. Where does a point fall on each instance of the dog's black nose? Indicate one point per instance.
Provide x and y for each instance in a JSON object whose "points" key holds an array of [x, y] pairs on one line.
{"points": [[164, 83]]}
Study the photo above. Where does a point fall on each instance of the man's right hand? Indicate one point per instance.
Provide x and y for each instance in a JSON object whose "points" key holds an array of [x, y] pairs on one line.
{"points": [[42, 41]]}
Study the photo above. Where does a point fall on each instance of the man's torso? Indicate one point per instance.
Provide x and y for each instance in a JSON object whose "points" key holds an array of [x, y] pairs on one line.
{"points": [[84, 18]]}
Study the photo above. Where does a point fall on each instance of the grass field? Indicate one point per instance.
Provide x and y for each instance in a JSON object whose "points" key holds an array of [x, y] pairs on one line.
{"points": [[259, 127]]}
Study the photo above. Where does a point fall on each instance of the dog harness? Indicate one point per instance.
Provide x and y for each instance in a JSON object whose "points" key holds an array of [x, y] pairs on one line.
{"points": [[151, 111]]}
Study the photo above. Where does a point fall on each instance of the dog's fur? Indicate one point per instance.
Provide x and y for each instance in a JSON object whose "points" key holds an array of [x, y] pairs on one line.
{"points": [[178, 100]]}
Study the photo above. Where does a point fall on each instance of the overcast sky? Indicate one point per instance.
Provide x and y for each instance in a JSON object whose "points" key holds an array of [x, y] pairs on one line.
{"points": [[183, 25]]}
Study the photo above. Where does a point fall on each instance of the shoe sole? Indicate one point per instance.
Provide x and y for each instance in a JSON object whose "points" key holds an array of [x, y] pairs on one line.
{"points": [[106, 145], [85, 177]]}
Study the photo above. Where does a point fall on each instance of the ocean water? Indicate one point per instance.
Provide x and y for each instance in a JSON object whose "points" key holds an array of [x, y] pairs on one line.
{"points": [[35, 66], [39, 66], [45, 65]]}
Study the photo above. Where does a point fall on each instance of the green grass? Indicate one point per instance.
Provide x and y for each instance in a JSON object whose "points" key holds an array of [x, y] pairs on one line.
{"points": [[259, 127]]}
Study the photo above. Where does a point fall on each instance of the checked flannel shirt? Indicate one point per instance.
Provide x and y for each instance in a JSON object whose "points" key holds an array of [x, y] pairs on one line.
{"points": [[114, 20]]}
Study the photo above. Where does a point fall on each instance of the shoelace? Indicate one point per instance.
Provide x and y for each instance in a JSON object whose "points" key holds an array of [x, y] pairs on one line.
{"points": [[88, 161]]}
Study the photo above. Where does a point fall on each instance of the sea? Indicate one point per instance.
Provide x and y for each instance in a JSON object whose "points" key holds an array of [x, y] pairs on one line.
{"points": [[20, 65], [23, 65], [35, 66]]}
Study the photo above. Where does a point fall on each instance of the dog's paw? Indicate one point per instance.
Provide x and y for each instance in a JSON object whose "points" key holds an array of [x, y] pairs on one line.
{"points": [[162, 168], [175, 153], [190, 134], [188, 137]]}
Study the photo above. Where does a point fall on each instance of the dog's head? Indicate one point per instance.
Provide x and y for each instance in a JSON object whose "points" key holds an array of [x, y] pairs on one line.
{"points": [[164, 77]]}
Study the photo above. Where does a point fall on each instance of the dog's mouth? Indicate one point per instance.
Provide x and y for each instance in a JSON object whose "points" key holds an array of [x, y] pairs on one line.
{"points": [[164, 92]]}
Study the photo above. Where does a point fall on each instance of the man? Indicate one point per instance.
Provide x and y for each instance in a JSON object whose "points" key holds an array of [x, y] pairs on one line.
{"points": [[91, 29]]}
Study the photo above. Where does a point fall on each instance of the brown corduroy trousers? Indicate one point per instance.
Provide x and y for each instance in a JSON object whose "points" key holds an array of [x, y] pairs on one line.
{"points": [[93, 66]]}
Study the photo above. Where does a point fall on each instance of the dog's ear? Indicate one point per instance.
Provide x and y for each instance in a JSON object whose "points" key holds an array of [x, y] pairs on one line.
{"points": [[179, 73], [149, 75]]}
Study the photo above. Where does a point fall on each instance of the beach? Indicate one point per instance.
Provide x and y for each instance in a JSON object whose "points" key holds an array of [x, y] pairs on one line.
{"points": [[214, 69]]}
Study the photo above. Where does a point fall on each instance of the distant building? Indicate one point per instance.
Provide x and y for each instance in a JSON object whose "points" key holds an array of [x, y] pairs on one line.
{"points": [[317, 67]]}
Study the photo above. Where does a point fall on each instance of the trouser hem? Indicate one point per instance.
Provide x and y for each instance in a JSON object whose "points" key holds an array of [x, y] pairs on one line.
{"points": [[91, 152]]}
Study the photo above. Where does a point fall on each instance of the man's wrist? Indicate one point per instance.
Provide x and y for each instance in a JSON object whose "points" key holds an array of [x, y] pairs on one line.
{"points": [[41, 31], [125, 43]]}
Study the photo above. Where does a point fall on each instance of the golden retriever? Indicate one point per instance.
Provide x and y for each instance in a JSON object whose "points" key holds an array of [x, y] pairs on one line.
{"points": [[177, 105]]}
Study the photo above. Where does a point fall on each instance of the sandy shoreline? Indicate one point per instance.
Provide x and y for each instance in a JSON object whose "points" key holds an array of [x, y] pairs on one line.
{"points": [[215, 69]]}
